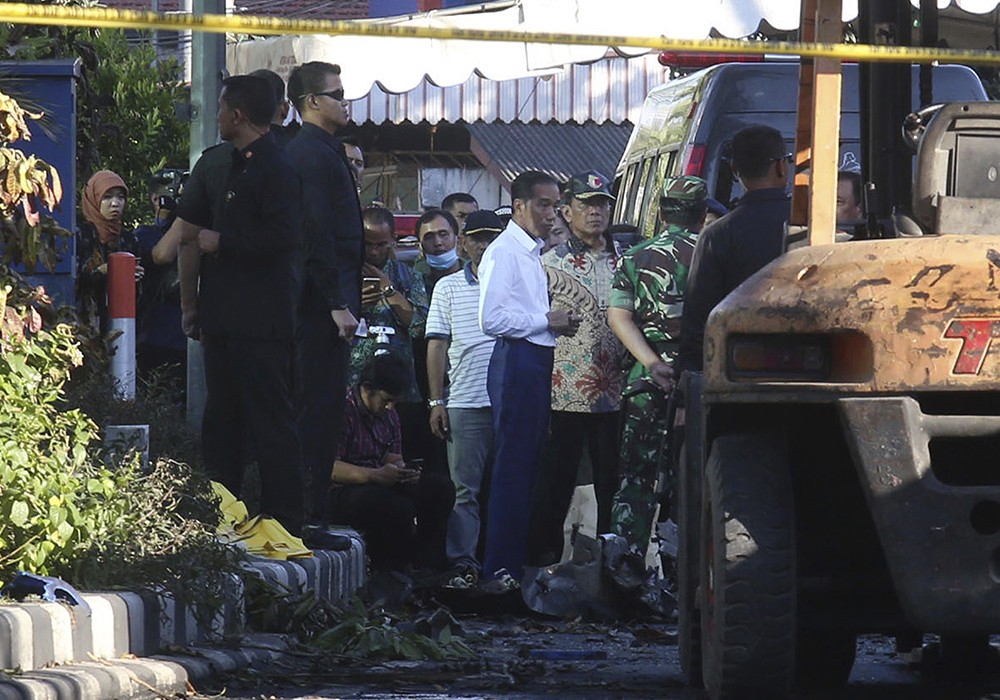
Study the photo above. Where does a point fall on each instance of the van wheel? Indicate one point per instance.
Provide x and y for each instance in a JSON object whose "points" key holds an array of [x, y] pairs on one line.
{"points": [[748, 573], [689, 525]]}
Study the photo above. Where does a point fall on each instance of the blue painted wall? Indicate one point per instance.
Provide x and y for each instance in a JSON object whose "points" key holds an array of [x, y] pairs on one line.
{"points": [[52, 86]]}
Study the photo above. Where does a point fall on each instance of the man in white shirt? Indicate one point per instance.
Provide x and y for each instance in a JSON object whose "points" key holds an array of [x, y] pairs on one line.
{"points": [[514, 307], [456, 346]]}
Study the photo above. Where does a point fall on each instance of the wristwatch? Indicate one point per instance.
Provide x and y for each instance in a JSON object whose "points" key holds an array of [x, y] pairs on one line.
{"points": [[436, 402], [388, 292]]}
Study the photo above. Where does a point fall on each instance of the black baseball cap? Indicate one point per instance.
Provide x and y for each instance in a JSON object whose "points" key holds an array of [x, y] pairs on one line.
{"points": [[482, 221]]}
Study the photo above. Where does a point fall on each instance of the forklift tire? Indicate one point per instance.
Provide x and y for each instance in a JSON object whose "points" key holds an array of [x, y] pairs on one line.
{"points": [[748, 570], [688, 525]]}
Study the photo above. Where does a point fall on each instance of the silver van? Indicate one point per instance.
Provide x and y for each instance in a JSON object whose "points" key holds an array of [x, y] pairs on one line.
{"points": [[686, 124]]}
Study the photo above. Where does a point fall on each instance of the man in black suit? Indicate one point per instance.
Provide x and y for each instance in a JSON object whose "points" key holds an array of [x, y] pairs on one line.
{"points": [[334, 252], [248, 233]]}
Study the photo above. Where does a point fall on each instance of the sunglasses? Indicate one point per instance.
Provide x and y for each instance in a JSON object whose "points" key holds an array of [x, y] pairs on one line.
{"points": [[337, 94], [788, 157]]}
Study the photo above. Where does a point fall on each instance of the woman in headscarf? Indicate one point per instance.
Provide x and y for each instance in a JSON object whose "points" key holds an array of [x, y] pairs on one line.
{"points": [[103, 202]]}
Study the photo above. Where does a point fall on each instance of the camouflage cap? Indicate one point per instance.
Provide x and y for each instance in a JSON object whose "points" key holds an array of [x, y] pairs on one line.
{"points": [[685, 192]]}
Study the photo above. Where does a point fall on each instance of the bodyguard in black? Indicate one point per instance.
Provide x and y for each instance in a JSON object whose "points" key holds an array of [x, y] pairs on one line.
{"points": [[249, 279], [334, 252], [741, 242]]}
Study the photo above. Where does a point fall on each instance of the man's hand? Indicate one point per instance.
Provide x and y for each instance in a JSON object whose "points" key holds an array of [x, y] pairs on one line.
{"points": [[189, 323], [440, 425], [562, 322], [662, 375], [208, 240], [392, 474], [345, 322], [370, 296]]}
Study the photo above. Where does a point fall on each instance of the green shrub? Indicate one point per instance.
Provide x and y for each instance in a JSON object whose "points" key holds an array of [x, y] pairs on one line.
{"points": [[55, 502], [65, 511]]}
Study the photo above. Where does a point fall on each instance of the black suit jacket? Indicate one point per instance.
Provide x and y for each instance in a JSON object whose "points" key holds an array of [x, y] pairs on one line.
{"points": [[332, 226], [249, 288]]}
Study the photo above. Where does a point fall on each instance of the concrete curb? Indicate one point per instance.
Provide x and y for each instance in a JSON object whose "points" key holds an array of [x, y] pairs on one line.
{"points": [[138, 679], [56, 651]]}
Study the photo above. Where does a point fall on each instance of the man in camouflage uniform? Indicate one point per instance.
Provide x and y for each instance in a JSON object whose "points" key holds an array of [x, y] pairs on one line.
{"points": [[647, 297]]}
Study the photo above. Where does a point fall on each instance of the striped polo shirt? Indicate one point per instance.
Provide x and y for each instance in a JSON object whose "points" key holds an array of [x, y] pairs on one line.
{"points": [[454, 316]]}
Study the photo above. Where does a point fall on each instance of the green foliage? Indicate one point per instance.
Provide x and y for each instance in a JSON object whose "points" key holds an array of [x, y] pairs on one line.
{"points": [[65, 509], [136, 129], [352, 628], [158, 403], [370, 632], [54, 501], [125, 100]]}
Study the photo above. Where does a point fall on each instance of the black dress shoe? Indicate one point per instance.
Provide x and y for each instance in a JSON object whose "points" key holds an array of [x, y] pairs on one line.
{"points": [[329, 540]]}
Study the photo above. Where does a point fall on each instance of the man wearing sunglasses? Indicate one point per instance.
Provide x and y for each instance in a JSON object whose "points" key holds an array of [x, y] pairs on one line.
{"points": [[334, 252], [742, 241]]}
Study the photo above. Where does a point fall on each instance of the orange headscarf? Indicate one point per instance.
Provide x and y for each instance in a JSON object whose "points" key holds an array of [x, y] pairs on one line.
{"points": [[93, 192]]}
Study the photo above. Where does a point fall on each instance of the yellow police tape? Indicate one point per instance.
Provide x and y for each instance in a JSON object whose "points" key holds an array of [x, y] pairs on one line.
{"points": [[19, 13]]}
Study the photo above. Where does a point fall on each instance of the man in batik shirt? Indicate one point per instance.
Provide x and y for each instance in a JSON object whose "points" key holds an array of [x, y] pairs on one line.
{"points": [[586, 379], [647, 298]]}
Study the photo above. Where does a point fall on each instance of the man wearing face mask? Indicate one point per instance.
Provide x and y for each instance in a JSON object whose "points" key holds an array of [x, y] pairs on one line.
{"points": [[437, 230]]}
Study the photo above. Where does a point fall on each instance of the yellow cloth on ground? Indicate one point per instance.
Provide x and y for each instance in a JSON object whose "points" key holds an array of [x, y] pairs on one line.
{"points": [[262, 536]]}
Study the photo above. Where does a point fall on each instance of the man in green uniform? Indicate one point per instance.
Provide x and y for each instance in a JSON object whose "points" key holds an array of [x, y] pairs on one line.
{"points": [[647, 297]]}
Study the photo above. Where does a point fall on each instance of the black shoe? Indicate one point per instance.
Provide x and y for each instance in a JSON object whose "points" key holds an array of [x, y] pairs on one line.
{"points": [[318, 536]]}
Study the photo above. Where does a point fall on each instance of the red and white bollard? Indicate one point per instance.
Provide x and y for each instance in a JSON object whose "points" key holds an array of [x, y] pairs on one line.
{"points": [[121, 316]]}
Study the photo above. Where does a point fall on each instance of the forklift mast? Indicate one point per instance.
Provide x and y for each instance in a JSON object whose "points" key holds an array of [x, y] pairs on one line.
{"points": [[886, 99]]}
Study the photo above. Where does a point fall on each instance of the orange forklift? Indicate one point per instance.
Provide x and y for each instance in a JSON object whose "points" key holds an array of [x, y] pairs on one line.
{"points": [[840, 470]]}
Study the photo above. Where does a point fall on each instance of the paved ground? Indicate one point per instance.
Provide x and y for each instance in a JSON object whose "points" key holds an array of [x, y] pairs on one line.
{"points": [[532, 658]]}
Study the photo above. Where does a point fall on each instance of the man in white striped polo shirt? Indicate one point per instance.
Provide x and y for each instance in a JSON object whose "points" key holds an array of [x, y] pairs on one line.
{"points": [[457, 346]]}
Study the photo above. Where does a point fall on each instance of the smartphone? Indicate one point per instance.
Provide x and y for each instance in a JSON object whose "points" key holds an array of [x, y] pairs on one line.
{"points": [[415, 464], [370, 285]]}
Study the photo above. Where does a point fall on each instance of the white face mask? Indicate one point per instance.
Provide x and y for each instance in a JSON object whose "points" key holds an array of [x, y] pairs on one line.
{"points": [[443, 261]]}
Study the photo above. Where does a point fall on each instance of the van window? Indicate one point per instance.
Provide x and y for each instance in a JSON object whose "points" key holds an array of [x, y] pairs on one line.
{"points": [[626, 195], [648, 215], [642, 182]]}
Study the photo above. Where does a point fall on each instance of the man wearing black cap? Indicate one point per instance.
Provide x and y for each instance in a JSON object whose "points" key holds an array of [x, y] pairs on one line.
{"points": [[457, 345], [645, 313], [586, 378], [741, 242]]}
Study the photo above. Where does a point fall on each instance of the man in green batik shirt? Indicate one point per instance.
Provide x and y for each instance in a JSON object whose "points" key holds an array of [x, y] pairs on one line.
{"points": [[647, 296]]}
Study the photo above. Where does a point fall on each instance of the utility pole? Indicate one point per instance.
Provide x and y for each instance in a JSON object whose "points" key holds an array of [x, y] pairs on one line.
{"points": [[208, 60]]}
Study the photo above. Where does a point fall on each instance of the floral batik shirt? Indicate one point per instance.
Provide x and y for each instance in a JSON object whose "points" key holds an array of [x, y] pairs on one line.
{"points": [[587, 374]]}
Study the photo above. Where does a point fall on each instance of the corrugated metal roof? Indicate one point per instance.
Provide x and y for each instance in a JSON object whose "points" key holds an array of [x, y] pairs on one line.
{"points": [[609, 90], [561, 150], [289, 9]]}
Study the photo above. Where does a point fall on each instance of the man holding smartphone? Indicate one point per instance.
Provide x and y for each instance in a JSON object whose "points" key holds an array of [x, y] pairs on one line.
{"points": [[401, 511], [334, 252]]}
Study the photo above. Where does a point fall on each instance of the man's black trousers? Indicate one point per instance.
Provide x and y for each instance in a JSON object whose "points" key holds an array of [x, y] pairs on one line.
{"points": [[385, 516], [323, 356], [249, 403]]}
